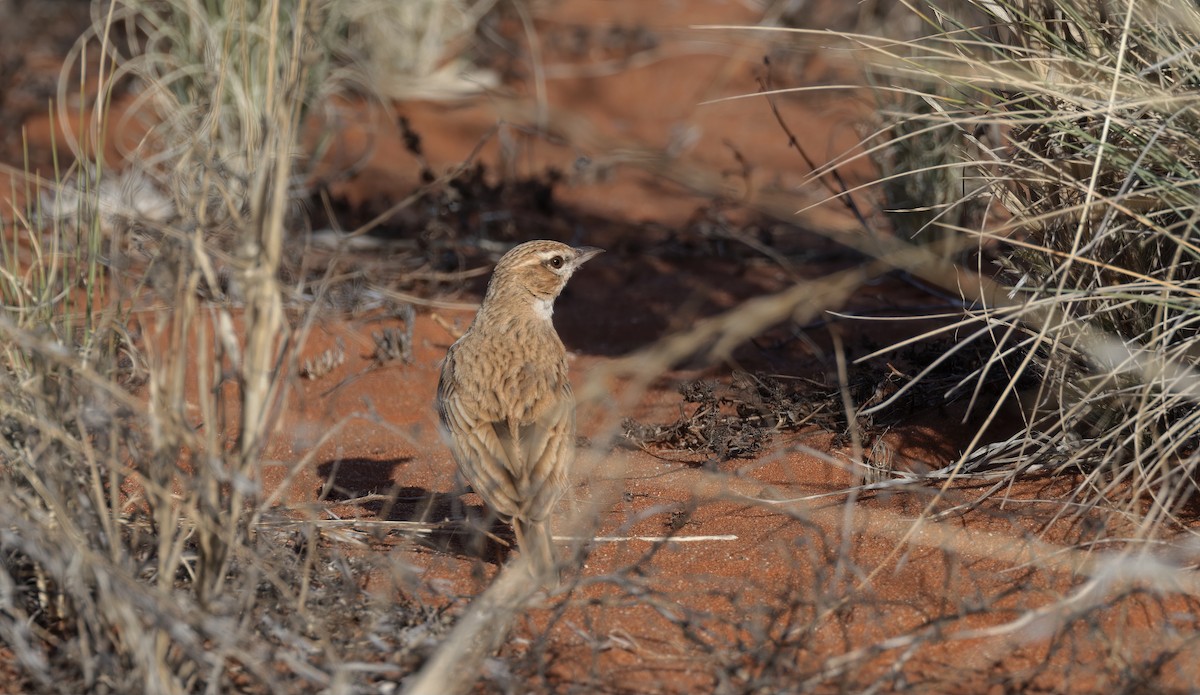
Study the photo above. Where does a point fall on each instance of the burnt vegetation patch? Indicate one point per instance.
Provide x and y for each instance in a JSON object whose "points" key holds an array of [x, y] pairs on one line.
{"points": [[739, 418]]}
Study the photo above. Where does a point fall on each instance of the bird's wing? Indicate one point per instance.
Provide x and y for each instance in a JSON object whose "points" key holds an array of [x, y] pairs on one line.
{"points": [[546, 451], [476, 446]]}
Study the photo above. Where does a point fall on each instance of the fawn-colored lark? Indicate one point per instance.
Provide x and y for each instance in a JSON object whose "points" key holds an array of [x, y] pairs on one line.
{"points": [[504, 398]]}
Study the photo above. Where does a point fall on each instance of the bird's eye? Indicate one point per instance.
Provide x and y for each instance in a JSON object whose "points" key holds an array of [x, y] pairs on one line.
{"points": [[556, 262]]}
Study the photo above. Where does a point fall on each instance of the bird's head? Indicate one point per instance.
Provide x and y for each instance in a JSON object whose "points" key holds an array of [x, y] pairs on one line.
{"points": [[539, 268]]}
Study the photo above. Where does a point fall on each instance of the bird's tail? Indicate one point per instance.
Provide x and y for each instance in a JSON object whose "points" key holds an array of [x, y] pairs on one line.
{"points": [[533, 538]]}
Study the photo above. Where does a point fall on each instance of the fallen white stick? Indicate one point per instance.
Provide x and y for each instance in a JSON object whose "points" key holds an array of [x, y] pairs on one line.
{"points": [[424, 528], [648, 539]]}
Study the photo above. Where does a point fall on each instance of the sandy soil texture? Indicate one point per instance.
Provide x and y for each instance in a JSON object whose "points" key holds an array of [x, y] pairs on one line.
{"points": [[731, 559]]}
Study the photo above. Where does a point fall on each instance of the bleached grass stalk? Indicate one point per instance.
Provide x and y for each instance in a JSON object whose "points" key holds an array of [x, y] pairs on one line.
{"points": [[415, 50], [478, 633]]}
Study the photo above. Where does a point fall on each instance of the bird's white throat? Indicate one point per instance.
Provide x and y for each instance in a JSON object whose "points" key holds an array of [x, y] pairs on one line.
{"points": [[543, 308]]}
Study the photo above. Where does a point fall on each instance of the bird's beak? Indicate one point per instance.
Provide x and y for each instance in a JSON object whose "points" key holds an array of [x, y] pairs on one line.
{"points": [[586, 253]]}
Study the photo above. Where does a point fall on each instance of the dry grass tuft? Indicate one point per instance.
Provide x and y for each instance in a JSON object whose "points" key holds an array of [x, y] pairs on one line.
{"points": [[1058, 139]]}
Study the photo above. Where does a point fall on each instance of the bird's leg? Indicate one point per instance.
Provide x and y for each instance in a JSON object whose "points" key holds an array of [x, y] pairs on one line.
{"points": [[472, 526]]}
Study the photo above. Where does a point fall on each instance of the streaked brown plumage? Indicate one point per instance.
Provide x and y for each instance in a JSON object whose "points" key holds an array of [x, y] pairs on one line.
{"points": [[504, 398]]}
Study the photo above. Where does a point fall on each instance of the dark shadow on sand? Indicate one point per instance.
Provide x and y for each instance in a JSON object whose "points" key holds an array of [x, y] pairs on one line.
{"points": [[457, 528]]}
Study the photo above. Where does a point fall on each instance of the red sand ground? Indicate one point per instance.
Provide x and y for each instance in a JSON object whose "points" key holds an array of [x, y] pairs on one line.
{"points": [[805, 581]]}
